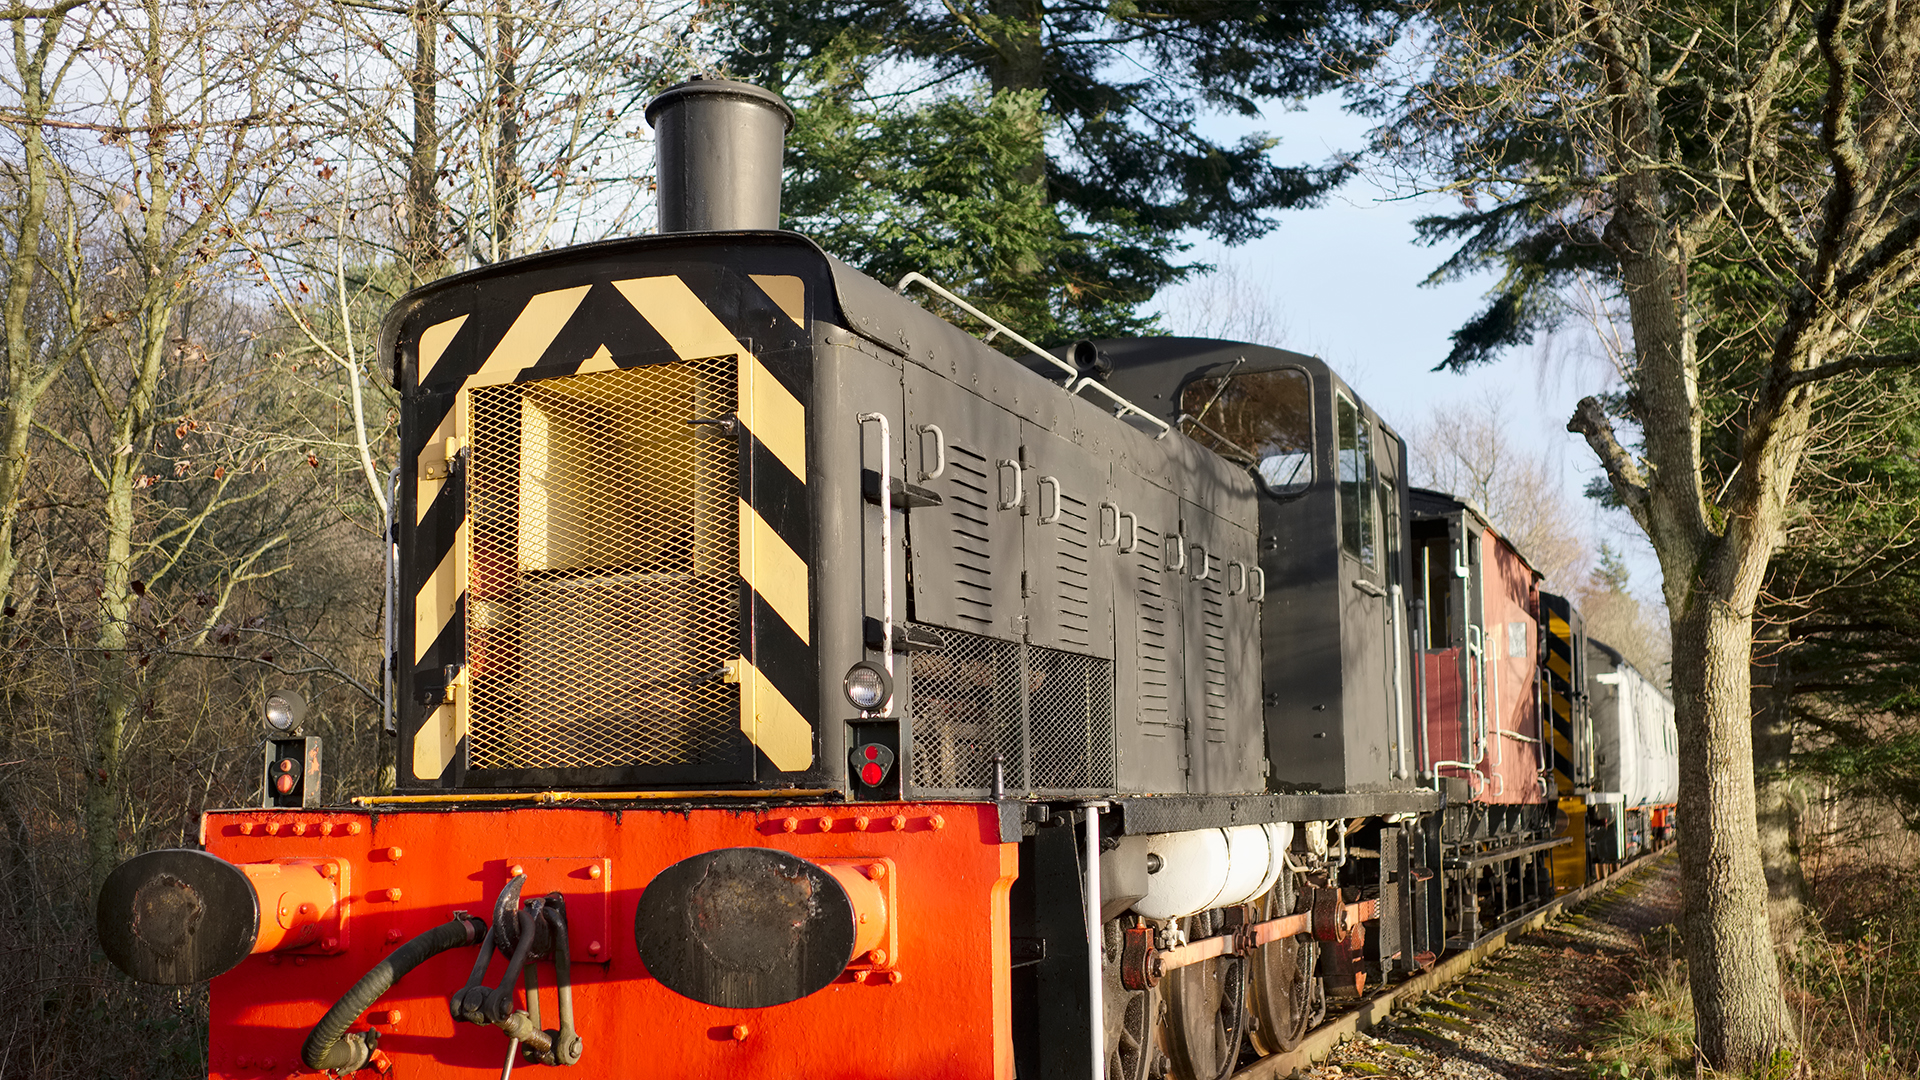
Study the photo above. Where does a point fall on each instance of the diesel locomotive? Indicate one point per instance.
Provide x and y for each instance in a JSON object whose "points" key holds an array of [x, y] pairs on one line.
{"points": [[787, 682]]}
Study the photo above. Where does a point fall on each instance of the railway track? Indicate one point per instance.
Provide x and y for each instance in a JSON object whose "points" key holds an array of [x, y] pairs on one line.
{"points": [[1377, 1007]]}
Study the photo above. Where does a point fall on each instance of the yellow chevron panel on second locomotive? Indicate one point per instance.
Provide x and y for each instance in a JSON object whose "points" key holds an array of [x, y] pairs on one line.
{"points": [[433, 345], [526, 341]]}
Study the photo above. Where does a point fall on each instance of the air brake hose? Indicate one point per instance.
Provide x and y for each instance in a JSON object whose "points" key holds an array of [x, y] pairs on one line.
{"points": [[326, 1049]]}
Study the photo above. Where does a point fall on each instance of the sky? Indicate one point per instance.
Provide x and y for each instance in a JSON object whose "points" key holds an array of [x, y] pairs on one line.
{"points": [[1344, 282]]}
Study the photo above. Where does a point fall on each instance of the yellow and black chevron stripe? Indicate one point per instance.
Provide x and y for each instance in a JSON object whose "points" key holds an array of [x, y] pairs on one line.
{"points": [[607, 310], [1560, 670]]}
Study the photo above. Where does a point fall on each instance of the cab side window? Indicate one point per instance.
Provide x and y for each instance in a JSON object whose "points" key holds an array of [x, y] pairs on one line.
{"points": [[1358, 516]]}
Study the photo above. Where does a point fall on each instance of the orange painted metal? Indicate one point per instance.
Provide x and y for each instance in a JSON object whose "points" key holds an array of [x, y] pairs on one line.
{"points": [[303, 903], [933, 879]]}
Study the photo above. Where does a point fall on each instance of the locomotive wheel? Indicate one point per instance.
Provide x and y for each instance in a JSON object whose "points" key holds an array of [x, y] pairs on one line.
{"points": [[1130, 1016], [1280, 983], [1206, 1015]]}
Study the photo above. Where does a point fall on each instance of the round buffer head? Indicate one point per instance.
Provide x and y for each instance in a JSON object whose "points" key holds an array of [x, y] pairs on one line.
{"points": [[745, 928], [177, 916]]}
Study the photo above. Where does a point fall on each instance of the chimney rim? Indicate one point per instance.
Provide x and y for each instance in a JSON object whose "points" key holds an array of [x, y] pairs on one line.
{"points": [[722, 88]]}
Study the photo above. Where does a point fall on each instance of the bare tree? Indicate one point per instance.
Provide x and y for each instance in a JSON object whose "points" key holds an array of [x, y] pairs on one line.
{"points": [[1745, 186], [1466, 452], [44, 320]]}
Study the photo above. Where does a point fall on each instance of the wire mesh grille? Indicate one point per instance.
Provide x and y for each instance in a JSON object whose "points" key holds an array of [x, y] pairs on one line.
{"points": [[602, 584], [965, 708], [1070, 720], [1048, 715]]}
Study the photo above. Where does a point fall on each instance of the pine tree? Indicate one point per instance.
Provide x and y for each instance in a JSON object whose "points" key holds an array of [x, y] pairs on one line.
{"points": [[1044, 159]]}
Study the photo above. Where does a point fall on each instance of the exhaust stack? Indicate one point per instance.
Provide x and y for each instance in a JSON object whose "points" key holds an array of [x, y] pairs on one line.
{"points": [[719, 144]]}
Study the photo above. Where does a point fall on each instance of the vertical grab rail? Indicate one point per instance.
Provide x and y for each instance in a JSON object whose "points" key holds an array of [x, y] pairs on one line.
{"points": [[1396, 627], [886, 541], [1096, 946]]}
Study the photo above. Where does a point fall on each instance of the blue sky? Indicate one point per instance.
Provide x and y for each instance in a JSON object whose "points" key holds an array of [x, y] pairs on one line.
{"points": [[1344, 282]]}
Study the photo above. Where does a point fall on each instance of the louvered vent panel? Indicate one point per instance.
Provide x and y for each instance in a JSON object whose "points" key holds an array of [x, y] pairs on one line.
{"points": [[969, 490], [1151, 638], [1213, 610], [602, 594], [1072, 569]]}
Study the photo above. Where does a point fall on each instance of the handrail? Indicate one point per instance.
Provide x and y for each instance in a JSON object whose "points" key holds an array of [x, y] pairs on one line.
{"points": [[914, 277], [886, 545], [1121, 406]]}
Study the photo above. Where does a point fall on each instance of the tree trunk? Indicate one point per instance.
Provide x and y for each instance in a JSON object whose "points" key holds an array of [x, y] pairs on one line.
{"points": [[1739, 1016], [426, 260], [1778, 794], [113, 674]]}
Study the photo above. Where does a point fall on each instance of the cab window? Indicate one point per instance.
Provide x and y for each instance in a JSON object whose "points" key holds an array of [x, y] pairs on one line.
{"points": [[1263, 420], [1357, 510]]}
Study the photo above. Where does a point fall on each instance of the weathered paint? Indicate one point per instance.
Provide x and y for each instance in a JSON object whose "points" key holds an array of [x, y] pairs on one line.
{"points": [[947, 1015]]}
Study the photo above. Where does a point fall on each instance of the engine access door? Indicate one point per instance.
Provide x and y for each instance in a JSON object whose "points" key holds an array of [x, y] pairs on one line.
{"points": [[966, 553]]}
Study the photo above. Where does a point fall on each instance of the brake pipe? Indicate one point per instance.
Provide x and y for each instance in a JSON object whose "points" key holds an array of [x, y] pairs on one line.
{"points": [[329, 1047]]}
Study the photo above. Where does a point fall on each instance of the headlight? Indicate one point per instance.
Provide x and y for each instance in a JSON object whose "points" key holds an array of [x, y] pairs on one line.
{"points": [[868, 686], [285, 709]]}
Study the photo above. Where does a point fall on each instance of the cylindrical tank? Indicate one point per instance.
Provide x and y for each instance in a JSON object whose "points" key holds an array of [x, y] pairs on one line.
{"points": [[719, 144]]}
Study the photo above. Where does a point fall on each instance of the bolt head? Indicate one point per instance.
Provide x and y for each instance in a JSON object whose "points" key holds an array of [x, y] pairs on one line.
{"points": [[740, 1033], [594, 872]]}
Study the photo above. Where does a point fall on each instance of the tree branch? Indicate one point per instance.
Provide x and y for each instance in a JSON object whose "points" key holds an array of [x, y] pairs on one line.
{"points": [[1857, 362], [1590, 421]]}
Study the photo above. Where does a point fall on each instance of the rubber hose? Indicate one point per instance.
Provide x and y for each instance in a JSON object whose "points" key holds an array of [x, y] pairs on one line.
{"points": [[325, 1048]]}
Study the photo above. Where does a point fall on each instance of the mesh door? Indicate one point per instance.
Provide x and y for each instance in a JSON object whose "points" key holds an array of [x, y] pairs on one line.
{"points": [[603, 580], [1047, 714]]}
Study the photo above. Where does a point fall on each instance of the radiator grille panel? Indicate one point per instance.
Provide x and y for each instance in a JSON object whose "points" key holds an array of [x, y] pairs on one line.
{"points": [[965, 707], [603, 582], [1070, 715], [1048, 714]]}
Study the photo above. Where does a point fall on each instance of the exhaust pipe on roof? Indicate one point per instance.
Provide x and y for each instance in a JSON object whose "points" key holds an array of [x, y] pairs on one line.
{"points": [[719, 144]]}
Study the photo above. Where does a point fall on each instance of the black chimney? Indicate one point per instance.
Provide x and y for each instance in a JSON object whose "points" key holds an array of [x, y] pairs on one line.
{"points": [[719, 144]]}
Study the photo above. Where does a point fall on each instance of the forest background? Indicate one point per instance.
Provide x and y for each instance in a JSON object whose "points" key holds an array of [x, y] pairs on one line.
{"points": [[209, 206]]}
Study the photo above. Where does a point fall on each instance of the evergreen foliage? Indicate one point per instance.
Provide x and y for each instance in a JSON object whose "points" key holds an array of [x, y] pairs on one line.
{"points": [[1043, 159]]}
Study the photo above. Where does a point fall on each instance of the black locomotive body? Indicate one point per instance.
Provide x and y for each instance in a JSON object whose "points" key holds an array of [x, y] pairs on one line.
{"points": [[708, 535]]}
